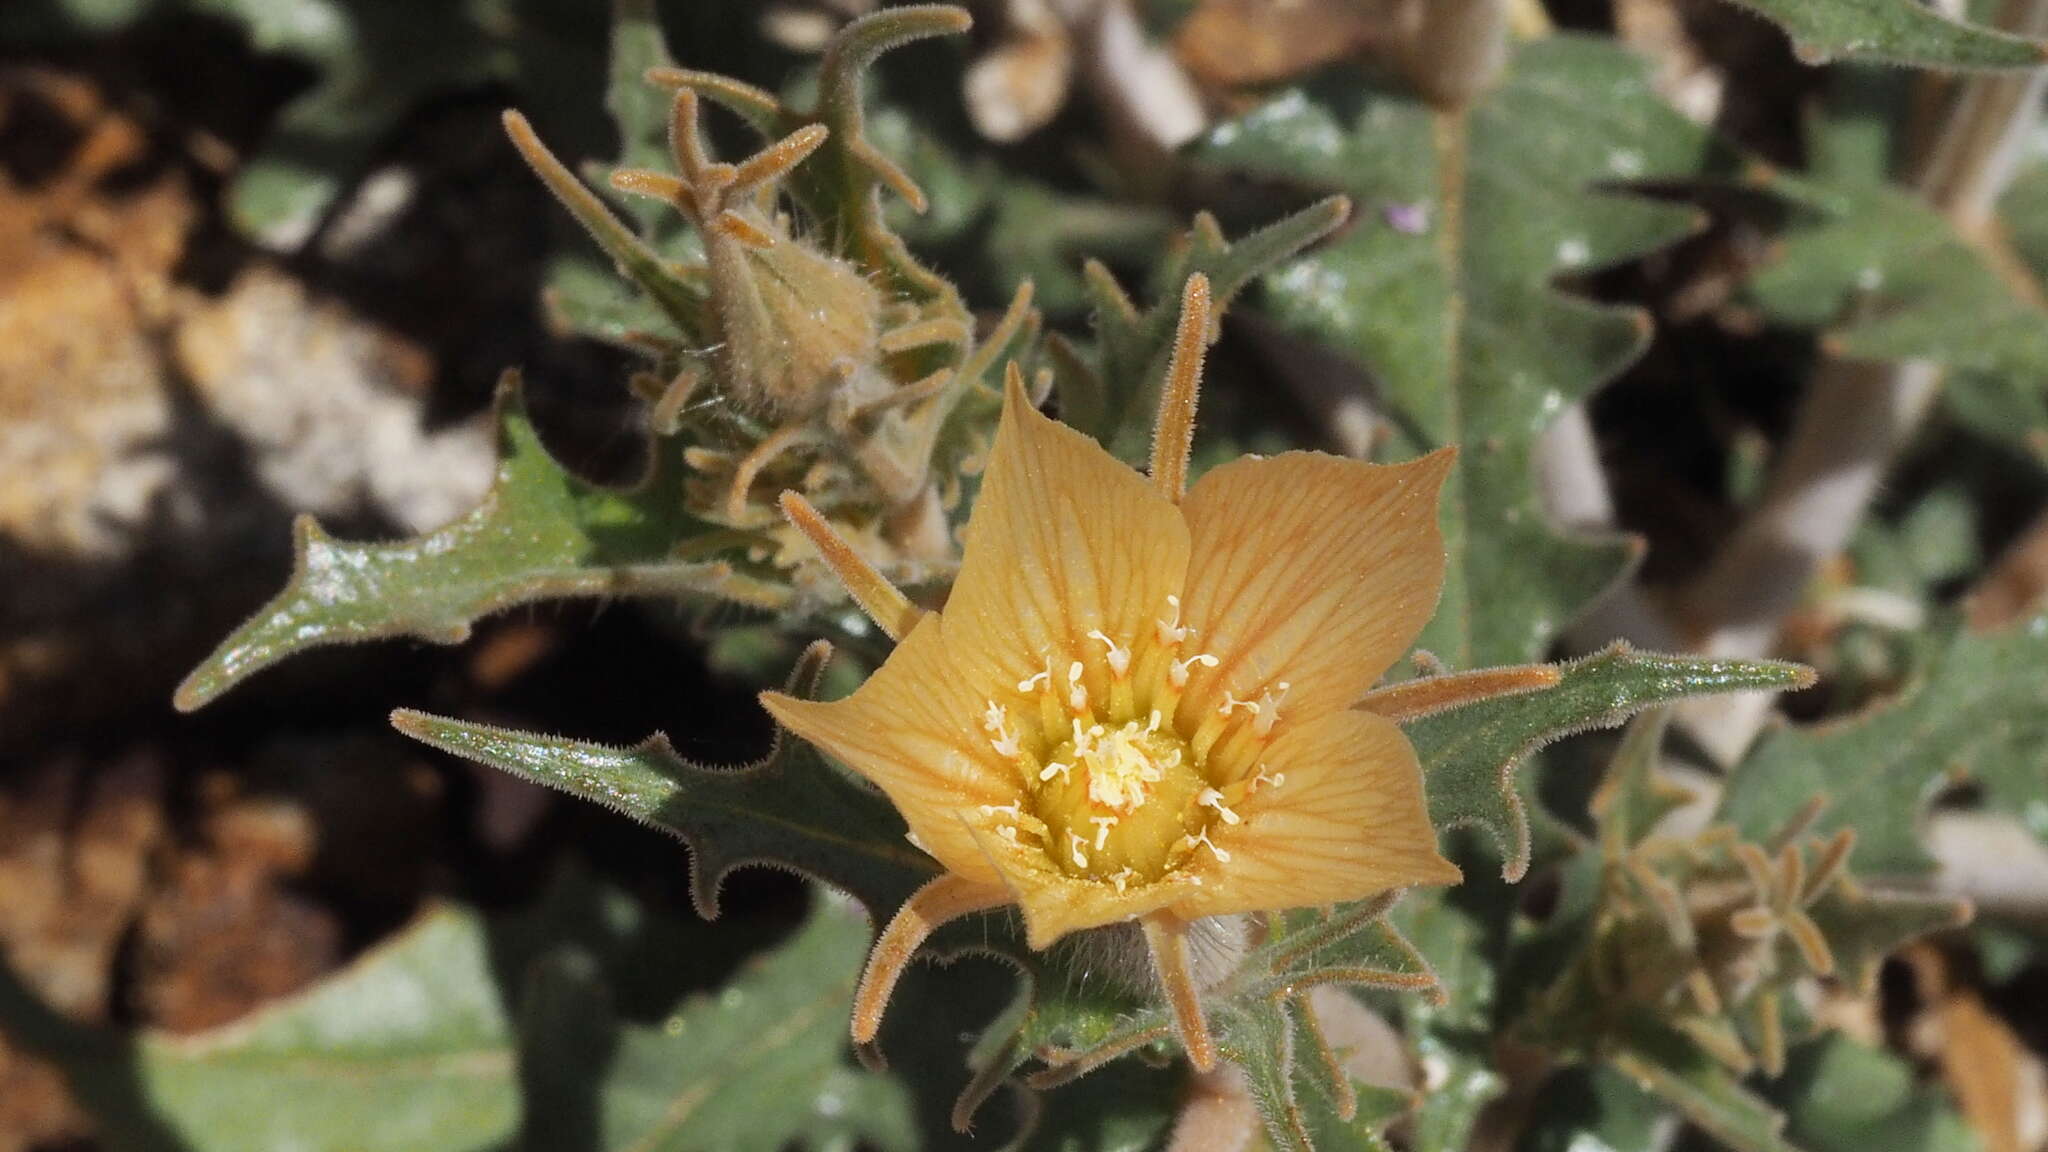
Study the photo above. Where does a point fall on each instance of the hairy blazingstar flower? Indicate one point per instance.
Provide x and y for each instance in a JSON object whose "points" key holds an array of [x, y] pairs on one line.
{"points": [[1138, 702]]}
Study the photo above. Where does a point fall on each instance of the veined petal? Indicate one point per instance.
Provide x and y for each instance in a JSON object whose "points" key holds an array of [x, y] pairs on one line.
{"points": [[1312, 569], [1064, 541], [1341, 818], [1055, 903], [910, 729]]}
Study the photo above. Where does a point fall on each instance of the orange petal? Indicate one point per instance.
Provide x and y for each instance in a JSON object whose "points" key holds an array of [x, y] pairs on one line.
{"points": [[1348, 821], [912, 730], [1055, 903], [1312, 569], [1064, 541]]}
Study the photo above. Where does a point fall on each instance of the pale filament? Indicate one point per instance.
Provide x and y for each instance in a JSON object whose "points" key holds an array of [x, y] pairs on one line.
{"points": [[1201, 840], [1211, 798], [1177, 672], [1119, 657], [996, 721], [1102, 826], [1269, 708], [1170, 630]]}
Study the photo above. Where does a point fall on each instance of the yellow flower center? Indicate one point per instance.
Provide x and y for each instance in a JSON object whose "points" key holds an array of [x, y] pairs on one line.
{"points": [[1118, 800], [1121, 785]]}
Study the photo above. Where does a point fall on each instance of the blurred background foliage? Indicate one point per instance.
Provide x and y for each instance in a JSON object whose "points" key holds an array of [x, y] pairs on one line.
{"points": [[1735, 312]]}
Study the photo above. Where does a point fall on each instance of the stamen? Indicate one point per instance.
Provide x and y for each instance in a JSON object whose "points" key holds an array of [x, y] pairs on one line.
{"points": [[1074, 842], [996, 721], [1152, 725], [1077, 692], [1010, 810], [1123, 878], [1053, 769], [1036, 678], [1084, 740], [1211, 798], [1222, 857], [1269, 709], [1119, 658], [1177, 672], [1261, 778], [1170, 631], [1102, 826], [1232, 703]]}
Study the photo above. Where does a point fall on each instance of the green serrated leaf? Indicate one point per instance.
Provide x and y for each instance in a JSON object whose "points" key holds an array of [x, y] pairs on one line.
{"points": [[1469, 755], [414, 1046], [373, 65], [1840, 1096], [1862, 928], [1703, 1090], [1978, 708], [409, 1048], [1453, 1040], [639, 110], [1294, 1088], [539, 533], [1443, 291], [757, 1066], [1893, 32], [1078, 1016], [1020, 228], [592, 296], [789, 809], [1116, 399], [1890, 279]]}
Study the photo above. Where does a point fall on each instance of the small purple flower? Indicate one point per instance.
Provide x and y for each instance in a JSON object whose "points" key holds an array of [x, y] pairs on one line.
{"points": [[1407, 219]]}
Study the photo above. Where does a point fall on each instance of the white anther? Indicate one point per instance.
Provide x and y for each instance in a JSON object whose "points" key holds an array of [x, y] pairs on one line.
{"points": [[1177, 672], [1263, 778], [1222, 857], [1084, 739], [1036, 678], [1231, 704], [1119, 658], [1007, 832], [1211, 798], [1123, 877], [1170, 630], [1102, 826], [1010, 810], [996, 722], [1152, 725], [1077, 693], [1054, 769], [1074, 845]]}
